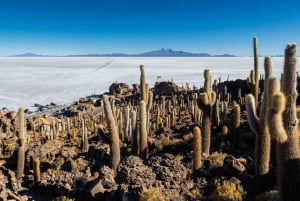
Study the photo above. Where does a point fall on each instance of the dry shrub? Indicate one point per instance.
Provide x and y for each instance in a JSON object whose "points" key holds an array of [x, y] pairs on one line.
{"points": [[62, 198], [187, 137], [152, 194], [228, 191], [179, 158], [268, 196], [217, 159], [165, 141]]}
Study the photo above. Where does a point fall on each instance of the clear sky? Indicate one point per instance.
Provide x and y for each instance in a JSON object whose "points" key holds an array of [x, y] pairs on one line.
{"points": [[63, 27]]}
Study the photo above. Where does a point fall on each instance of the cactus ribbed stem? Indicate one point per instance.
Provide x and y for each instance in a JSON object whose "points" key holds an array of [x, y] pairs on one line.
{"points": [[134, 134], [197, 148], [115, 147], [36, 170], [236, 122], [21, 149], [143, 83], [206, 100], [143, 130], [256, 74]]}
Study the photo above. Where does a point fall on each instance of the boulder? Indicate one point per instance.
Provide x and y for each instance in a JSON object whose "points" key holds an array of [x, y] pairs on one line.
{"points": [[166, 88], [119, 89]]}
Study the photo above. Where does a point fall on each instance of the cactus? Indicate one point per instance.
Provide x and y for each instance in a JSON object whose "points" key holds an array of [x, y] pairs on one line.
{"points": [[120, 125], [283, 125], [149, 107], [134, 135], [21, 149], [150, 100], [216, 113], [197, 148], [224, 133], [143, 83], [115, 147], [85, 142], [261, 129], [127, 122], [143, 130], [206, 100], [36, 170], [236, 122], [253, 79]]}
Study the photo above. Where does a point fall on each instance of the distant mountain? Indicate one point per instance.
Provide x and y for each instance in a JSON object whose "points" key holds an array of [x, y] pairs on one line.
{"points": [[163, 52], [28, 54], [167, 52]]}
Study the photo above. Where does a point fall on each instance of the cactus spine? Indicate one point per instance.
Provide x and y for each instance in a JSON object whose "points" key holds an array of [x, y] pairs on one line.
{"points": [[283, 124], [21, 149], [261, 129], [115, 147], [206, 100], [197, 148]]}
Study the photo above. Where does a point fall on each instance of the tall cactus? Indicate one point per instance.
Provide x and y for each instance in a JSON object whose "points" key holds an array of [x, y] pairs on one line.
{"points": [[206, 100], [143, 130], [236, 122], [21, 149], [253, 79], [283, 125], [134, 134], [256, 75], [115, 147], [261, 129], [143, 83], [197, 148]]}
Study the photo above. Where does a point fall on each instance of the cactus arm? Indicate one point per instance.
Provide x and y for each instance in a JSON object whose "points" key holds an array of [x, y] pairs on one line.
{"points": [[275, 118], [251, 114], [256, 75]]}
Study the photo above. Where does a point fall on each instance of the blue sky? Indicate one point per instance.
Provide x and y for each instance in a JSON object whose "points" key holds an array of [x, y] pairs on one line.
{"points": [[63, 27]]}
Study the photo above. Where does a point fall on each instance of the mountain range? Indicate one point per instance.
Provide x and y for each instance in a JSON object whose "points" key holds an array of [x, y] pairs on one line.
{"points": [[163, 52]]}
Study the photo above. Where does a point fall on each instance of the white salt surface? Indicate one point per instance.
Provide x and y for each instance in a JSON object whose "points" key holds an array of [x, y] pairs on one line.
{"points": [[62, 80]]}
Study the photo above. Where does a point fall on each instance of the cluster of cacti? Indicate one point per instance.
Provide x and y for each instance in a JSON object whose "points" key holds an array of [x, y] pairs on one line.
{"points": [[283, 122], [157, 119], [115, 144], [261, 129]]}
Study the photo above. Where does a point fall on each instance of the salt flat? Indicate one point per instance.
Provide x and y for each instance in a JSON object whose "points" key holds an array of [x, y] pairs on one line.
{"points": [[25, 81]]}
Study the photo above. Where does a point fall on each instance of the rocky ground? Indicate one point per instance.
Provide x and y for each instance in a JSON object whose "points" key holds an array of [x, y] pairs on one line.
{"points": [[68, 172]]}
